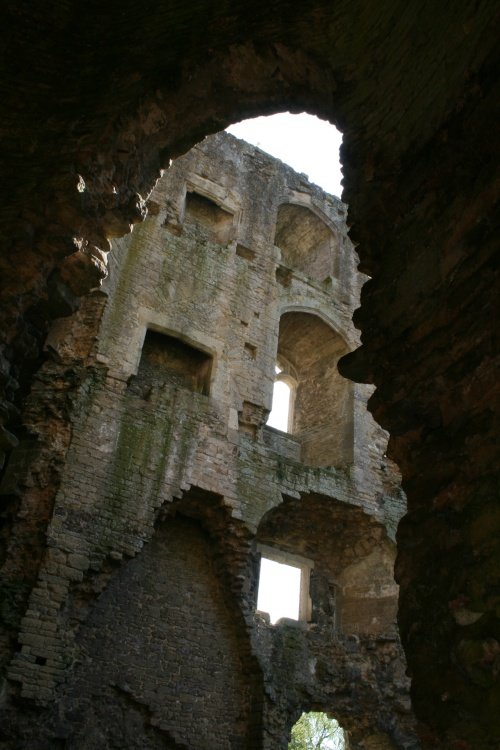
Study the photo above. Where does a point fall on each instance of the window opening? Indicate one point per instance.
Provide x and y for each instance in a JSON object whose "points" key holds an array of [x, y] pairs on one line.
{"points": [[285, 384], [323, 412], [307, 244], [279, 417], [284, 585], [315, 730], [279, 590]]}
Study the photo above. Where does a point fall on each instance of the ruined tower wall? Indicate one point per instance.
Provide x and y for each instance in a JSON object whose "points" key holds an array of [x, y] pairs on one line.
{"points": [[169, 438]]}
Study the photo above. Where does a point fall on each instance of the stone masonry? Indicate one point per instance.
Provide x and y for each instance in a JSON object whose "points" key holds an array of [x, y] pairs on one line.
{"points": [[141, 630]]}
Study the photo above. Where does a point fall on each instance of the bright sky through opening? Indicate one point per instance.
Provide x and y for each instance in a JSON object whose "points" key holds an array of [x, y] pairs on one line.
{"points": [[304, 142], [278, 418], [279, 590]]}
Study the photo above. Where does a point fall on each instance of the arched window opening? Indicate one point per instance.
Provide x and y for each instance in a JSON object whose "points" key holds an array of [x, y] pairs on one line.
{"points": [[323, 409], [316, 730], [285, 384], [306, 243]]}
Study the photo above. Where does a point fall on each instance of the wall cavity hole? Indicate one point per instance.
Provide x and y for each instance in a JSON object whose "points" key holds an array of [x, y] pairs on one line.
{"points": [[245, 252], [250, 350]]}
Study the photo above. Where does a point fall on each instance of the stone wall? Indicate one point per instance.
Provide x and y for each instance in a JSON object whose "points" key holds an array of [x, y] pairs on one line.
{"points": [[146, 595], [162, 638]]}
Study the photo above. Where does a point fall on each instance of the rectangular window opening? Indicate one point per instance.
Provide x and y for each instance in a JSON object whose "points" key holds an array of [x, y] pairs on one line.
{"points": [[284, 585]]}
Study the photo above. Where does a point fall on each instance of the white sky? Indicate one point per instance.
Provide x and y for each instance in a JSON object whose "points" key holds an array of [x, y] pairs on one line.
{"points": [[305, 142], [279, 590], [278, 417]]}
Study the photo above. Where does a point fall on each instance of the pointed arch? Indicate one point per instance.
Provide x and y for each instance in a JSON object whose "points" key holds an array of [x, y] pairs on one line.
{"points": [[323, 404], [307, 243]]}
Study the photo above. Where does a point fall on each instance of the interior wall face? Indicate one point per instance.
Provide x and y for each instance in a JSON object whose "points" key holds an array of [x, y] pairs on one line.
{"points": [[162, 638], [96, 103], [137, 606]]}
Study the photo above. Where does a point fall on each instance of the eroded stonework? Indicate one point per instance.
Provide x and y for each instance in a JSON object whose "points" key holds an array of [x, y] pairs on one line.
{"points": [[141, 629]]}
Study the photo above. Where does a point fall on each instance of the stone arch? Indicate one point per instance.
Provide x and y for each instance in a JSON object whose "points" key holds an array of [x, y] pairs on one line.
{"points": [[163, 137], [307, 242], [323, 404], [326, 314], [343, 627], [168, 596], [164, 650], [352, 583]]}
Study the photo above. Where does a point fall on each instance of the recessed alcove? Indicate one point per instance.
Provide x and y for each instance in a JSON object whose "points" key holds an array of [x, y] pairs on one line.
{"points": [[166, 359], [322, 418], [348, 573], [306, 242], [208, 217]]}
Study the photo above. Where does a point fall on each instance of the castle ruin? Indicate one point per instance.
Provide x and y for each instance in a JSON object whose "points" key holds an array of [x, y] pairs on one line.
{"points": [[142, 629]]}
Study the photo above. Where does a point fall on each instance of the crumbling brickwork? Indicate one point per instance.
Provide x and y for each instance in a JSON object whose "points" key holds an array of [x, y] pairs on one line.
{"points": [[146, 596]]}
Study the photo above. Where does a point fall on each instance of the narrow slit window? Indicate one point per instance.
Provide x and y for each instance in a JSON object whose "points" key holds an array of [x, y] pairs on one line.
{"points": [[279, 418]]}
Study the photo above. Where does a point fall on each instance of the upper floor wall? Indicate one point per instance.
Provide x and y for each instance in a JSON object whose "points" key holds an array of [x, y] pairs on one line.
{"points": [[205, 267]]}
